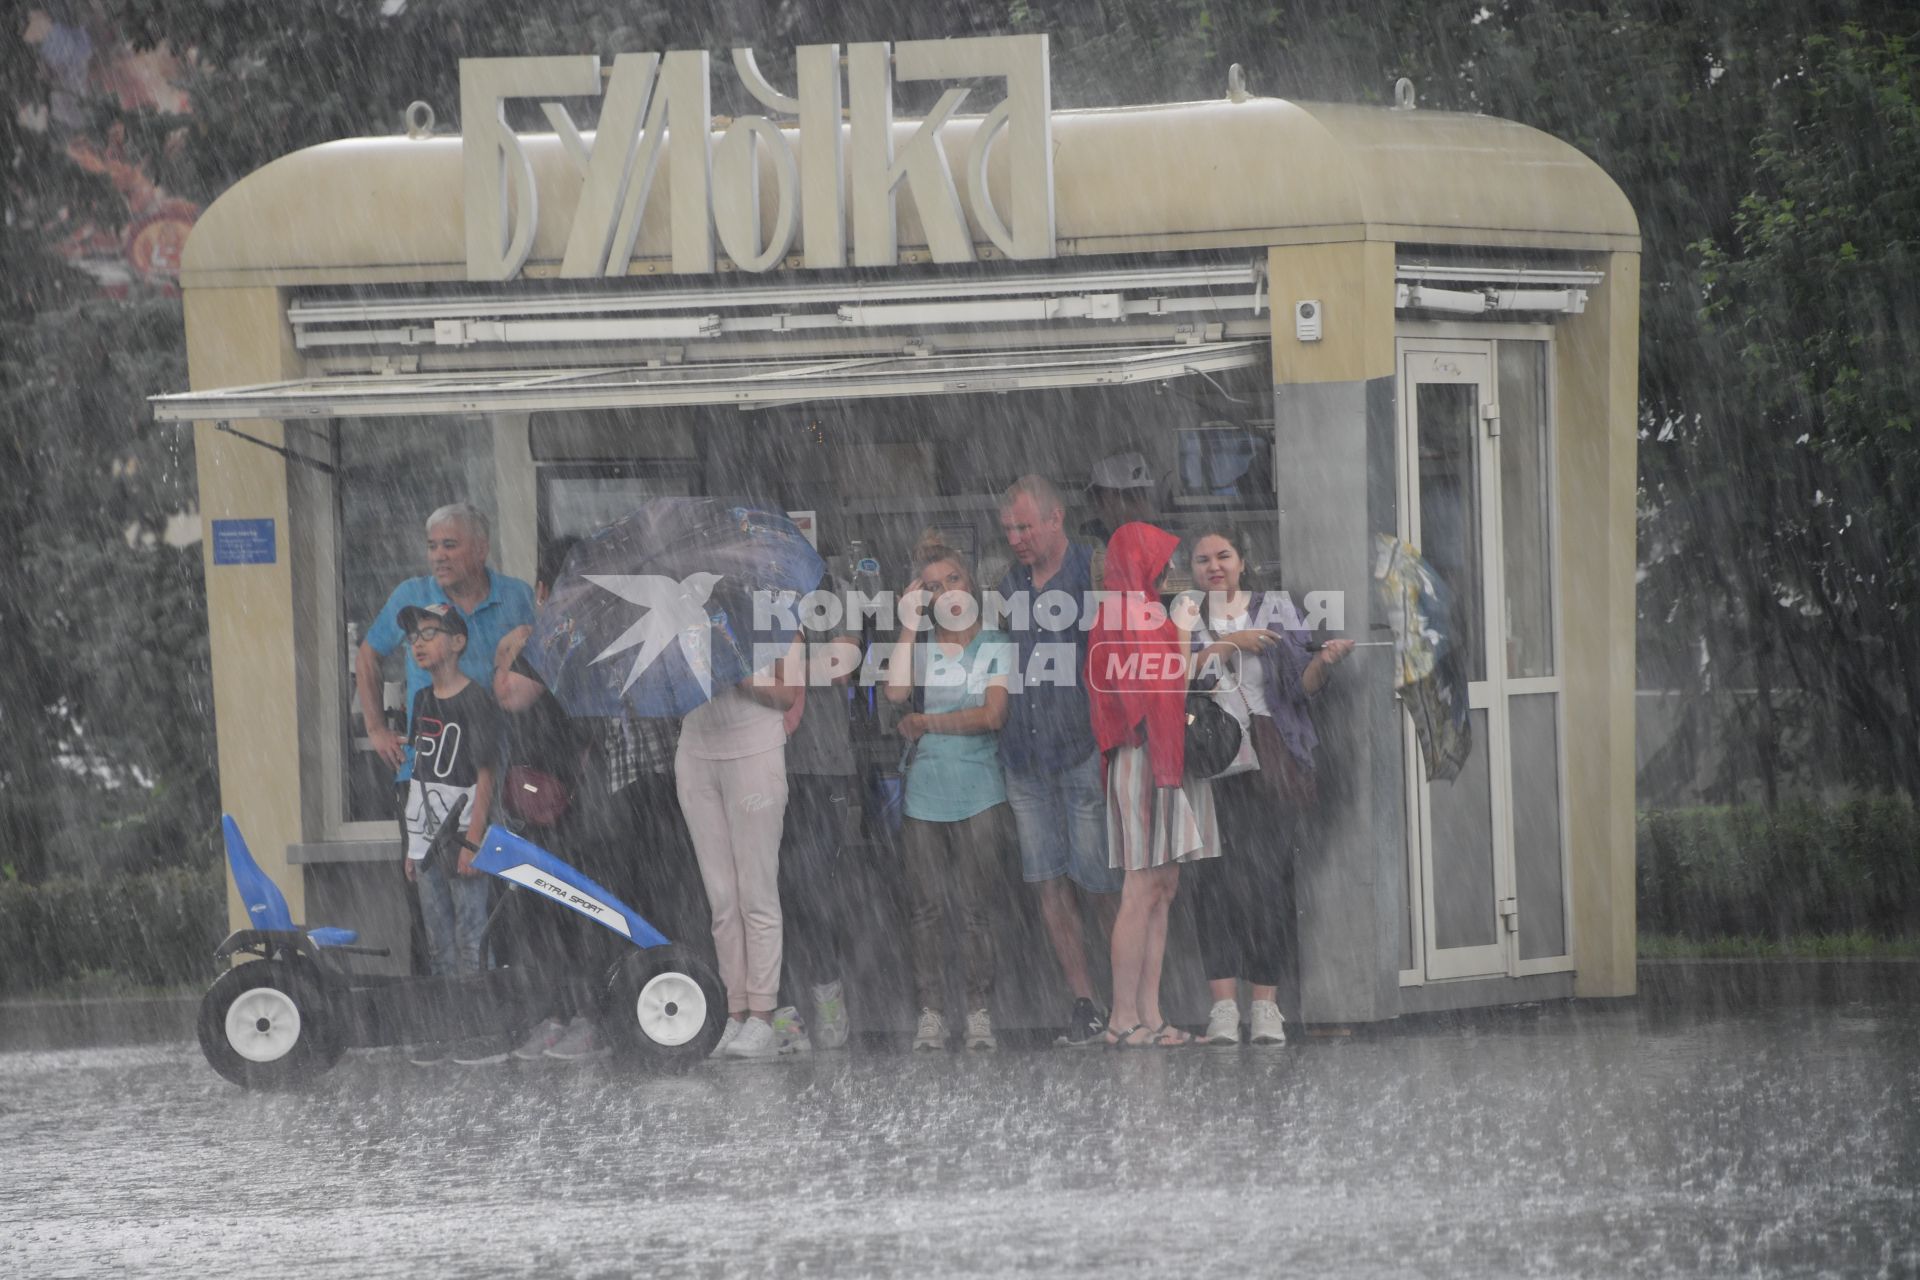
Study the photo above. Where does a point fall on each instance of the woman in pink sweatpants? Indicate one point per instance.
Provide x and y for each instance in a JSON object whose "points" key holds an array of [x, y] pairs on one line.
{"points": [[731, 773]]}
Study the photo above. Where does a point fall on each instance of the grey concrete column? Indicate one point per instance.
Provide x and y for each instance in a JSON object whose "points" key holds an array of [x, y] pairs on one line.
{"points": [[1334, 448]]}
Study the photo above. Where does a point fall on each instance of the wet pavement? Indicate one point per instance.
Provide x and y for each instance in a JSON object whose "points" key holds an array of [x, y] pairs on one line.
{"points": [[1566, 1140]]}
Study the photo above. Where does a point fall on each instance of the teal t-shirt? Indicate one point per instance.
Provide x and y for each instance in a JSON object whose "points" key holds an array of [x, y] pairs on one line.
{"points": [[956, 775]]}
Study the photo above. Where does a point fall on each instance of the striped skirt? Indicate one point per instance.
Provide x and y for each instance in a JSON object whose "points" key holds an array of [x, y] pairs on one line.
{"points": [[1149, 826]]}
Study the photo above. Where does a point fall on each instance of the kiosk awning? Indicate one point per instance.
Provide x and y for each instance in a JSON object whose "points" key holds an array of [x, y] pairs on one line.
{"points": [[746, 384]]}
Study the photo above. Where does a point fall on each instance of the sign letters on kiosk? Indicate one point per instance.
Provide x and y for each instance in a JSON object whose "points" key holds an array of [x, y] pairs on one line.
{"points": [[657, 108]]}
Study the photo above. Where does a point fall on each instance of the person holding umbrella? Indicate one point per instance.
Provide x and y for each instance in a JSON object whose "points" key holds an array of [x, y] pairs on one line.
{"points": [[668, 612], [731, 772]]}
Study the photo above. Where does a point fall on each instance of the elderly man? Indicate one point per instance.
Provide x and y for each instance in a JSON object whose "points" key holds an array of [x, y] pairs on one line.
{"points": [[1046, 746], [490, 603]]}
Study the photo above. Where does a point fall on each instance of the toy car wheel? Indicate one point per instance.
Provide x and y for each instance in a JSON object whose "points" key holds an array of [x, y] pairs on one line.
{"points": [[266, 1025], [665, 1007]]}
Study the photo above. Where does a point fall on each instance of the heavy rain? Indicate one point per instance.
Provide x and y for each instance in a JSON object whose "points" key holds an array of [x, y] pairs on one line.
{"points": [[1007, 638]]}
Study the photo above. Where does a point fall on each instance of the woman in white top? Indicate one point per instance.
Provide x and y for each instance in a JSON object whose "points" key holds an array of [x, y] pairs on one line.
{"points": [[1243, 900], [731, 774]]}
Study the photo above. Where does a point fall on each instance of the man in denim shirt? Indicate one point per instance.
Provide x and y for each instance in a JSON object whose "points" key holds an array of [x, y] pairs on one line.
{"points": [[1046, 746]]}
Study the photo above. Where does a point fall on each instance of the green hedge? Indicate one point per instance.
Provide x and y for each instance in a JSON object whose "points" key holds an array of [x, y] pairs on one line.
{"points": [[157, 929], [1803, 868]]}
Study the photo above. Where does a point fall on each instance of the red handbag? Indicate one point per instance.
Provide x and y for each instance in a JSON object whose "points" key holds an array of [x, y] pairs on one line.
{"points": [[536, 798]]}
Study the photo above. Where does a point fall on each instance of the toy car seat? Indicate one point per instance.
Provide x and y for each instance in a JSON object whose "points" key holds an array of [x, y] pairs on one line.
{"points": [[266, 905]]}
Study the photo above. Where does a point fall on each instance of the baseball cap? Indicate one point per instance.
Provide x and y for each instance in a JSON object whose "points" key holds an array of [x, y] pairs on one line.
{"points": [[1121, 471], [444, 616]]}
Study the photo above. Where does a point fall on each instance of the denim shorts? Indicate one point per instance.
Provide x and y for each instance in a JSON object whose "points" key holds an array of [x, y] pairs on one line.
{"points": [[1062, 820]]}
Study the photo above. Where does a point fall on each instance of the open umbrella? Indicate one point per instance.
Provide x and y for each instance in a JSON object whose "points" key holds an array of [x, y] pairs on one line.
{"points": [[656, 612], [1427, 669]]}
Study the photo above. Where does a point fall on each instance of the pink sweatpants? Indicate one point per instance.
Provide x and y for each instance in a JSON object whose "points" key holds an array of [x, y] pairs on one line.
{"points": [[734, 810]]}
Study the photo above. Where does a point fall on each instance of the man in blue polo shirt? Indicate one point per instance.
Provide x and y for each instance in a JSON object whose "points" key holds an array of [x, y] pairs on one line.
{"points": [[1046, 746], [492, 604]]}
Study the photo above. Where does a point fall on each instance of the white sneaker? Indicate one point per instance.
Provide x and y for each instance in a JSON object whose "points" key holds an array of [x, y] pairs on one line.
{"points": [[931, 1033], [1268, 1026], [726, 1037], [755, 1039], [1223, 1023], [980, 1031], [830, 1027], [540, 1039], [579, 1042], [789, 1032]]}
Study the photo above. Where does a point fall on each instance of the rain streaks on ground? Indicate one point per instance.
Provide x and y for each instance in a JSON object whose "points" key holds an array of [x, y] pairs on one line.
{"points": [[1575, 1140]]}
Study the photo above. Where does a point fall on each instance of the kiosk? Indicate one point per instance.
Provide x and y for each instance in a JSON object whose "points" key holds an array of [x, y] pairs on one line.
{"points": [[1320, 321]]}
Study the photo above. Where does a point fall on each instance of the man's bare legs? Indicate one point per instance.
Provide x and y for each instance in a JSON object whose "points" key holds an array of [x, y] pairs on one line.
{"points": [[1060, 909]]}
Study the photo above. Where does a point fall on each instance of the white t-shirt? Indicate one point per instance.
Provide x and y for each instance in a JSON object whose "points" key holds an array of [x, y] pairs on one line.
{"points": [[732, 726], [1253, 671]]}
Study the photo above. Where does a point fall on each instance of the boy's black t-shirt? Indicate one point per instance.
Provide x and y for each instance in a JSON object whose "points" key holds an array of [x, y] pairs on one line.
{"points": [[453, 739]]}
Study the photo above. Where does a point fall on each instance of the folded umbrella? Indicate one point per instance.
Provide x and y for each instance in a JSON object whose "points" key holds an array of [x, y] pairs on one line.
{"points": [[671, 603], [1427, 661]]}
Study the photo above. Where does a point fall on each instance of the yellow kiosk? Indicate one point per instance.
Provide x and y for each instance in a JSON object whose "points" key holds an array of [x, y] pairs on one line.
{"points": [[1320, 321]]}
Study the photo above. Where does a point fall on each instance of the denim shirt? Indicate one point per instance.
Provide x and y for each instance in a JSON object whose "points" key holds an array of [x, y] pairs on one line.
{"points": [[1048, 723]]}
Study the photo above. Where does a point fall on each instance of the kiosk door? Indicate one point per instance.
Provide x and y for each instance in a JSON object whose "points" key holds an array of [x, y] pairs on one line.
{"points": [[1460, 855]]}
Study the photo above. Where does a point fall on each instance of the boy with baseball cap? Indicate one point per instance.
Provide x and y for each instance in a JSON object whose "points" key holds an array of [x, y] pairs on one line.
{"points": [[456, 744]]}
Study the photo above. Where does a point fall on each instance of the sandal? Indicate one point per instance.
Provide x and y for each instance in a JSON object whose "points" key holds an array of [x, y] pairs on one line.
{"points": [[1121, 1039], [1168, 1036]]}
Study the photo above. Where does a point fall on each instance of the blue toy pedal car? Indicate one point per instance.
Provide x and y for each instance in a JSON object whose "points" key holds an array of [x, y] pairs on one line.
{"points": [[288, 1016]]}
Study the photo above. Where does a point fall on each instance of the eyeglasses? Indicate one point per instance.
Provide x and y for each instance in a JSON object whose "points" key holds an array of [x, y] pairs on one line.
{"points": [[429, 633]]}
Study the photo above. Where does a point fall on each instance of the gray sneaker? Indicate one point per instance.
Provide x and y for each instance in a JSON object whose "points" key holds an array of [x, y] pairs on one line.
{"points": [[1223, 1023], [931, 1031], [980, 1031], [830, 1026], [580, 1040], [540, 1039], [1267, 1027], [754, 1040], [790, 1032], [480, 1051]]}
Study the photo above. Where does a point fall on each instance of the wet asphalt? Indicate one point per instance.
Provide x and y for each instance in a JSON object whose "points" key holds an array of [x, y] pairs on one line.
{"points": [[1571, 1139]]}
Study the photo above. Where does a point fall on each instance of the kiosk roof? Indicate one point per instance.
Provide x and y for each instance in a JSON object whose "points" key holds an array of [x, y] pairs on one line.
{"points": [[1188, 176]]}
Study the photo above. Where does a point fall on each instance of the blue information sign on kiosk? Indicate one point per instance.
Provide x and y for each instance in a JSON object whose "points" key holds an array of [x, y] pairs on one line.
{"points": [[243, 542]]}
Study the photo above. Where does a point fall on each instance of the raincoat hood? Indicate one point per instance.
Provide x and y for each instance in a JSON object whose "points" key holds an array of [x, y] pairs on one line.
{"points": [[1135, 662]]}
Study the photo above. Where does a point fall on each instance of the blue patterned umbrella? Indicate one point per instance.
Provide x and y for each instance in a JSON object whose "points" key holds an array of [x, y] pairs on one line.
{"points": [[1427, 666], [656, 612]]}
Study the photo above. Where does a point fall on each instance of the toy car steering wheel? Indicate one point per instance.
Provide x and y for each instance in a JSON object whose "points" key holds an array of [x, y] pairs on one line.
{"points": [[447, 835]]}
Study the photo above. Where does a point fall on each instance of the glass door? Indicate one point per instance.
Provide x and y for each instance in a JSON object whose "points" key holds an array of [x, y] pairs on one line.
{"points": [[1448, 505], [1486, 868]]}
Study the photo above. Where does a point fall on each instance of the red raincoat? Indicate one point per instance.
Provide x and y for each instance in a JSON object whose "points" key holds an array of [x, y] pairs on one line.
{"points": [[1136, 672]]}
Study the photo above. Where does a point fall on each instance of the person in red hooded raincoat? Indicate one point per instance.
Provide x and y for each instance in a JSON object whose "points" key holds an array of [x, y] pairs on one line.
{"points": [[1157, 818]]}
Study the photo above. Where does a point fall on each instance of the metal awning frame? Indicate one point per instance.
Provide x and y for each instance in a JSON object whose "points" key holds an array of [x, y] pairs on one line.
{"points": [[746, 385]]}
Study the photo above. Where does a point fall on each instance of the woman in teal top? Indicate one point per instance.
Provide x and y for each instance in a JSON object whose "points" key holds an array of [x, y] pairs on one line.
{"points": [[957, 823]]}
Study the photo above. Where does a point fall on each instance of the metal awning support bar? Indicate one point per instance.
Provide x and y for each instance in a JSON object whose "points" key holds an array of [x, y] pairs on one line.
{"points": [[288, 454]]}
